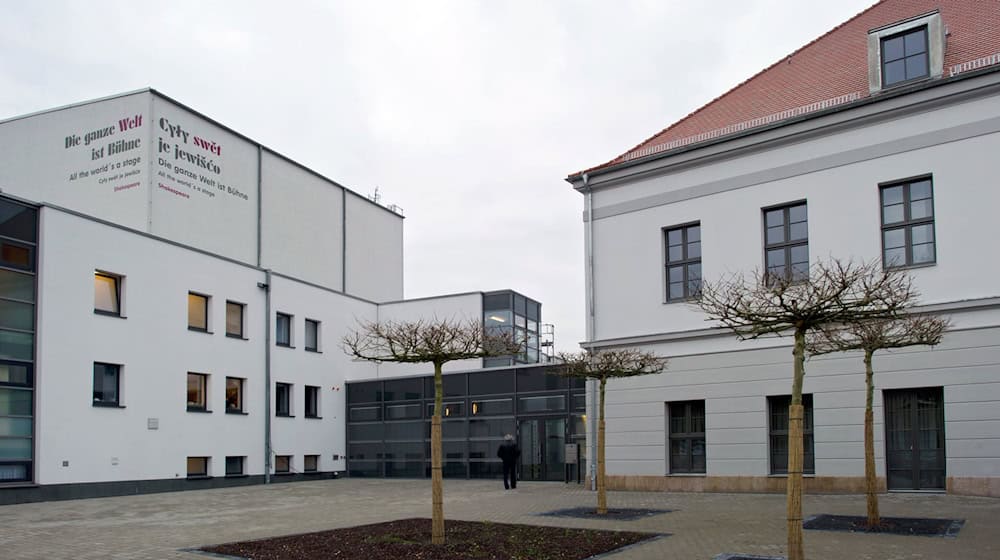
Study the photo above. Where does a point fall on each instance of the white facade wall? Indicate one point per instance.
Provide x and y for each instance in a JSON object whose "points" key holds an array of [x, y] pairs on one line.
{"points": [[835, 163], [374, 251]]}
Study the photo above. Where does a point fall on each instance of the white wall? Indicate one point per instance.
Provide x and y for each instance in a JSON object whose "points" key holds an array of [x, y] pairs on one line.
{"points": [[62, 157], [374, 251], [302, 223]]}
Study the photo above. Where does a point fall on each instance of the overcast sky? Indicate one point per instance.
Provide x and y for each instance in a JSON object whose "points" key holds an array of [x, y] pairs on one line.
{"points": [[467, 114]]}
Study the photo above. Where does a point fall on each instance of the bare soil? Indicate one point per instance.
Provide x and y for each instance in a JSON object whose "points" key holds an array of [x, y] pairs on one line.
{"points": [[411, 539]]}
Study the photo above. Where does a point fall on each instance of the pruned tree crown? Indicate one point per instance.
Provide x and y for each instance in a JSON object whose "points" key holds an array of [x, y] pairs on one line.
{"points": [[427, 341]]}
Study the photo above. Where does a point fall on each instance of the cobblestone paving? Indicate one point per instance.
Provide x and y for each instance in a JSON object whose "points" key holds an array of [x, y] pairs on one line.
{"points": [[157, 526]]}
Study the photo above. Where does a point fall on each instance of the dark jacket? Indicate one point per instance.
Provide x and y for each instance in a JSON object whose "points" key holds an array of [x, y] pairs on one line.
{"points": [[508, 452]]}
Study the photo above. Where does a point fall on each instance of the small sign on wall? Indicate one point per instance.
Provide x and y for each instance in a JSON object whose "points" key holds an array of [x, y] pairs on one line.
{"points": [[152, 423]]}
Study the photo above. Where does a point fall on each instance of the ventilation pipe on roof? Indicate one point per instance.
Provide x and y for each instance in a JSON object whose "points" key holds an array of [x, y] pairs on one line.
{"points": [[589, 243]]}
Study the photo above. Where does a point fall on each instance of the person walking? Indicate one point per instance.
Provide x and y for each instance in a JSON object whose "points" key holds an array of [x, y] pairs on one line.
{"points": [[509, 453]]}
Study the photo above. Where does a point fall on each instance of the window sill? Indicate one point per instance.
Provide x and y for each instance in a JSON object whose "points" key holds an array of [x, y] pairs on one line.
{"points": [[109, 314], [783, 475], [314, 417], [688, 474], [236, 336], [198, 477], [196, 329], [237, 412], [107, 405], [284, 415], [279, 345], [910, 266], [313, 350], [201, 410], [687, 300]]}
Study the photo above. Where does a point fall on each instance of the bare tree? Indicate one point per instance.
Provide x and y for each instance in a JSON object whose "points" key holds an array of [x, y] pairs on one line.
{"points": [[870, 336], [438, 342], [761, 304], [602, 365]]}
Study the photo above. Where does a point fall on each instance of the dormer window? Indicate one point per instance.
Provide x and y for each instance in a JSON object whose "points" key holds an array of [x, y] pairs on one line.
{"points": [[904, 57], [905, 52]]}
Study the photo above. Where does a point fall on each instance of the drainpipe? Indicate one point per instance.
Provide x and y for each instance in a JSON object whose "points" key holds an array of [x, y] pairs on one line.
{"points": [[591, 321], [266, 286]]}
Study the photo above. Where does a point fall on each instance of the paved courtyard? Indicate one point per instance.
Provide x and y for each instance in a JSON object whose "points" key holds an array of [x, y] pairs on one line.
{"points": [[157, 526]]}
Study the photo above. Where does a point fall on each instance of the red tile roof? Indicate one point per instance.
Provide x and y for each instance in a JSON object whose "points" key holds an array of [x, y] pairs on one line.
{"points": [[831, 70]]}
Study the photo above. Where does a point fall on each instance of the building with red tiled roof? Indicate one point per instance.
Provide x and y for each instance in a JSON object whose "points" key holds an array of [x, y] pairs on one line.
{"points": [[876, 142], [830, 72]]}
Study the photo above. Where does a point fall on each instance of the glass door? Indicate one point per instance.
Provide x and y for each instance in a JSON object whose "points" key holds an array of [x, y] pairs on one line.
{"points": [[543, 448], [914, 439]]}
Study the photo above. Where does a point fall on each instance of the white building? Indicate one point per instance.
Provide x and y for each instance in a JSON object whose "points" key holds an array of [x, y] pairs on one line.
{"points": [[877, 140], [172, 299]]}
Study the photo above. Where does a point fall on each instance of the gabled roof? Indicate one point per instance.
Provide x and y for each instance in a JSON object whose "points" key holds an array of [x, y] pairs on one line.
{"points": [[829, 71]]}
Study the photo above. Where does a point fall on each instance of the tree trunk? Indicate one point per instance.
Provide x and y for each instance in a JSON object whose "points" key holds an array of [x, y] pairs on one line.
{"points": [[437, 512], [870, 478], [602, 493], [794, 486]]}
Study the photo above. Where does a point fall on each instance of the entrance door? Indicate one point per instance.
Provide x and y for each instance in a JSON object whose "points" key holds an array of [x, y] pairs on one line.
{"points": [[914, 439], [542, 442]]}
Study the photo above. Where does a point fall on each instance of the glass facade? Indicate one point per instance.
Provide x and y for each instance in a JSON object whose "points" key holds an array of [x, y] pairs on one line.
{"points": [[510, 312], [18, 237], [389, 423]]}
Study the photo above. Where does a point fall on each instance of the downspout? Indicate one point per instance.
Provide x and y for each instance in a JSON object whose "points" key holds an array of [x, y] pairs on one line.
{"points": [[267, 374], [591, 322]]}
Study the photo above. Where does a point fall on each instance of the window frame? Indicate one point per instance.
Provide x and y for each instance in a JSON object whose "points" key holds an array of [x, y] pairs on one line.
{"points": [[242, 465], [787, 244], [118, 284], [685, 262], [287, 343], [203, 407], [205, 303], [241, 390], [907, 224], [286, 410], [311, 402], [808, 438], [204, 473], [689, 437], [902, 34], [315, 464], [316, 335], [242, 307], [116, 403], [288, 464]]}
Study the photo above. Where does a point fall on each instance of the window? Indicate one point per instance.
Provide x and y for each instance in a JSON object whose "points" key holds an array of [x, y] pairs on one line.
{"points": [[234, 466], [234, 319], [908, 223], [312, 335], [282, 464], [197, 392], [687, 437], [786, 243], [197, 467], [312, 402], [905, 57], [310, 463], [107, 379], [197, 312], [282, 399], [683, 261], [16, 255], [234, 395], [778, 426], [107, 294], [283, 330]]}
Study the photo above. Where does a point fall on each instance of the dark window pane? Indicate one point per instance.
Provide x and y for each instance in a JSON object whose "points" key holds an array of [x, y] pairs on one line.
{"points": [[365, 414], [15, 402], [364, 432], [492, 407], [919, 190], [892, 214], [17, 346], [16, 315], [492, 428], [370, 391], [916, 42], [17, 221], [797, 231], [776, 258], [675, 253], [407, 389], [452, 384], [923, 253], [775, 235], [895, 257], [404, 430], [234, 466], [283, 329], [676, 273], [234, 319], [487, 383], [894, 238], [922, 234], [16, 285], [921, 209], [312, 335], [893, 49], [402, 411], [916, 67], [675, 237], [892, 195], [797, 214], [16, 256], [536, 379], [894, 72], [234, 394], [800, 254], [541, 404], [774, 218], [694, 234], [15, 374], [676, 290]]}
